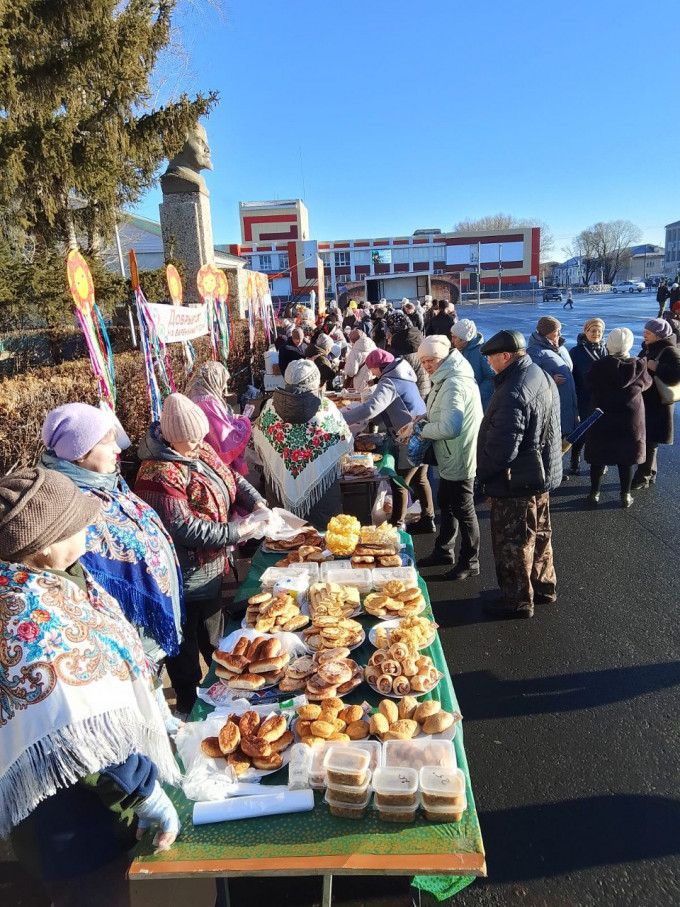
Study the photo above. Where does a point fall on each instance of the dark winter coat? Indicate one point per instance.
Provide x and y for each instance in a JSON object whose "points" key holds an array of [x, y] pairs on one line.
{"points": [[441, 323], [405, 344], [379, 333], [618, 437], [674, 296], [514, 421], [557, 361], [583, 356], [364, 323], [673, 318], [289, 353], [322, 362], [416, 320], [662, 293], [659, 416], [484, 374]]}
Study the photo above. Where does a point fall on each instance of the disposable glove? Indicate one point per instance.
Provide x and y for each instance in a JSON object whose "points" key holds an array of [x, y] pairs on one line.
{"points": [[157, 809]]}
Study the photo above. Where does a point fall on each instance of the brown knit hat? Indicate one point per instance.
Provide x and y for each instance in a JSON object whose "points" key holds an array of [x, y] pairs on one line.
{"points": [[39, 507], [182, 420], [547, 324]]}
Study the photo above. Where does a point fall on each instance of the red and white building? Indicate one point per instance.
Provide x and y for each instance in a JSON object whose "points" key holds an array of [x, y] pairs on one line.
{"points": [[275, 240]]}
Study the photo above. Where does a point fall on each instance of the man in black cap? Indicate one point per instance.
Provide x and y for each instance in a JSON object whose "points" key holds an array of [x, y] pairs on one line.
{"points": [[522, 417]]}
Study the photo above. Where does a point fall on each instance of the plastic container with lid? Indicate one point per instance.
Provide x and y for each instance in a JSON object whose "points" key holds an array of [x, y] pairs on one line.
{"points": [[272, 575], [419, 752], [317, 771], [442, 786], [445, 813], [362, 578], [395, 787], [346, 793], [333, 566], [346, 766], [383, 575], [397, 813], [342, 810]]}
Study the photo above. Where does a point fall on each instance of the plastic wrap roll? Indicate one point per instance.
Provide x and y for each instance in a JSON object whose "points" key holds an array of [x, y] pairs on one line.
{"points": [[290, 801]]}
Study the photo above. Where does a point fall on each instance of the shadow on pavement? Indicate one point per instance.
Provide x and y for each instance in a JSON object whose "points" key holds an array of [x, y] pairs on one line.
{"points": [[559, 838], [487, 696]]}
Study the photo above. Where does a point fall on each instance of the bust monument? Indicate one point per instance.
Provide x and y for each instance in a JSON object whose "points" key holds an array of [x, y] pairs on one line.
{"points": [[183, 171], [186, 226]]}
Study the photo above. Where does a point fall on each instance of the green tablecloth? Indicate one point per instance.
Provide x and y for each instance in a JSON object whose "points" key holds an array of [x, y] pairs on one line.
{"points": [[318, 833]]}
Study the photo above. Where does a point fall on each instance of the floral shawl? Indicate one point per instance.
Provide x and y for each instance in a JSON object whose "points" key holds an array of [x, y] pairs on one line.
{"points": [[302, 460], [131, 555], [75, 689]]}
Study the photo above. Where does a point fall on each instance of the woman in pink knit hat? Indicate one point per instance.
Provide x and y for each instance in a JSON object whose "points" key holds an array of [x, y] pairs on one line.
{"points": [[183, 478]]}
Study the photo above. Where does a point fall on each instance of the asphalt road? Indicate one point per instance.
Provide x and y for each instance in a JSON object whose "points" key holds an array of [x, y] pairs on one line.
{"points": [[571, 719]]}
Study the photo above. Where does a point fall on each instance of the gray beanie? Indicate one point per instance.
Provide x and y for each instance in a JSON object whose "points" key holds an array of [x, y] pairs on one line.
{"points": [[465, 330], [39, 507], [302, 375], [324, 342], [619, 342]]}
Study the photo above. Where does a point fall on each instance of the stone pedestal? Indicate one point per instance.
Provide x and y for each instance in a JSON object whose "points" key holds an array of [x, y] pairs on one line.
{"points": [[187, 234]]}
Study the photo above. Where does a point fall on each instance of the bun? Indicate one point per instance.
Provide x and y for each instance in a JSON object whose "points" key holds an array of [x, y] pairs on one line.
{"points": [[223, 674], [378, 724], [309, 712], [247, 682], [389, 709], [401, 686], [210, 747], [425, 709], [322, 729], [260, 599], [241, 645], [272, 663], [229, 738], [407, 706], [272, 728], [270, 649], [235, 663], [283, 742], [435, 724], [357, 730], [404, 729], [255, 747], [268, 763], [351, 713], [384, 684], [239, 762], [249, 723]]}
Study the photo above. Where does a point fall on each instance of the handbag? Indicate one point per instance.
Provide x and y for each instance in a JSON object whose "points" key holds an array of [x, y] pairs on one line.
{"points": [[668, 393], [526, 473]]}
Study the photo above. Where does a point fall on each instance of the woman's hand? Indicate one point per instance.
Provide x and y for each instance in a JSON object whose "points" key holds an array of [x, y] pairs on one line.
{"points": [[261, 505], [559, 379], [652, 365]]}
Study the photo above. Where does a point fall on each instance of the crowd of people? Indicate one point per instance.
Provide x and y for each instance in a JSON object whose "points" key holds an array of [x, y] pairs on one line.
{"points": [[101, 584]]}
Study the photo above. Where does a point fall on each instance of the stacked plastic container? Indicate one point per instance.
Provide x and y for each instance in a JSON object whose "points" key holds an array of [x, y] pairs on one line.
{"points": [[348, 779]]}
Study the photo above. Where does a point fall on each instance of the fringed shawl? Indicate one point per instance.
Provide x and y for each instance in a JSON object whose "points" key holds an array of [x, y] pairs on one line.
{"points": [[302, 460], [75, 690]]}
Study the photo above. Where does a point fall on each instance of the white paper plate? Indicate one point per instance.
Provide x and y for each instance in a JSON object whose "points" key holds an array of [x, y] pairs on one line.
{"points": [[351, 648], [411, 693], [390, 625], [290, 643]]}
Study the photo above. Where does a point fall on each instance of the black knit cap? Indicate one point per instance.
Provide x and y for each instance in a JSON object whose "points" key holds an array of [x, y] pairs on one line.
{"points": [[39, 507], [505, 342]]}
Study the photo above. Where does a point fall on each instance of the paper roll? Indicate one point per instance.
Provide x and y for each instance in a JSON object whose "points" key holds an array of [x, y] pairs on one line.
{"points": [[291, 801]]}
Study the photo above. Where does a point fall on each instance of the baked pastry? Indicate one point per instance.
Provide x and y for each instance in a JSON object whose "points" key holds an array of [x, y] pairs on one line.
{"points": [[425, 709], [255, 746], [210, 746], [309, 712], [401, 686], [249, 723], [407, 707], [283, 742], [389, 709], [269, 763], [234, 663], [229, 738], [263, 665], [239, 761], [248, 682], [272, 728], [438, 722]]}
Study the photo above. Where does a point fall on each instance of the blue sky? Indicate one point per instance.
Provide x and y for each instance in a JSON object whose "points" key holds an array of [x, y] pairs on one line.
{"points": [[386, 117]]}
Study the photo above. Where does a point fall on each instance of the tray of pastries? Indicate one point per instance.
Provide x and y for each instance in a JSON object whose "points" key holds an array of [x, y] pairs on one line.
{"points": [[324, 675], [401, 671]]}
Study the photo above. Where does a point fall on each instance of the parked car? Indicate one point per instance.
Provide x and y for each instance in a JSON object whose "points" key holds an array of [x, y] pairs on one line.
{"points": [[552, 293], [628, 286]]}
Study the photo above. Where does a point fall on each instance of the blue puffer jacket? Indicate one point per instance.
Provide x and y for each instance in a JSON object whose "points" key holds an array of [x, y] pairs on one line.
{"points": [[555, 361], [482, 371], [514, 421]]}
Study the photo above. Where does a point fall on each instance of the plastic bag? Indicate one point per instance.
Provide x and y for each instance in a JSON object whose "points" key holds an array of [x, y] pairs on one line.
{"points": [[380, 513]]}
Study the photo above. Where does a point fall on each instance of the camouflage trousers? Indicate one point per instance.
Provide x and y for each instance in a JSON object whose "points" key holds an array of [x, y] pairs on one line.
{"points": [[521, 540]]}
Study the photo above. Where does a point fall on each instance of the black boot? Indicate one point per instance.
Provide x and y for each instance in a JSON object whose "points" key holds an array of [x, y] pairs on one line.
{"points": [[440, 557], [425, 525]]}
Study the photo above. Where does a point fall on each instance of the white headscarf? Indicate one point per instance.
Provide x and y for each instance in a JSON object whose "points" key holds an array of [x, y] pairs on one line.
{"points": [[619, 342]]}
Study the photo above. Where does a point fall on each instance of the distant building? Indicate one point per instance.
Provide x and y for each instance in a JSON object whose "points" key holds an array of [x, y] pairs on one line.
{"points": [[144, 236], [646, 261], [275, 240], [671, 265]]}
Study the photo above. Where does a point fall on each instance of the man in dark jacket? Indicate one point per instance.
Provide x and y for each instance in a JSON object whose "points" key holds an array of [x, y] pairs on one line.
{"points": [[443, 321], [293, 349], [662, 295], [523, 415]]}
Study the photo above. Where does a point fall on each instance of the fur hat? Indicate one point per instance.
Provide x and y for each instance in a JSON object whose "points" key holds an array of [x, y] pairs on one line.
{"points": [[465, 330], [182, 420], [39, 507], [436, 346], [547, 324], [619, 342]]}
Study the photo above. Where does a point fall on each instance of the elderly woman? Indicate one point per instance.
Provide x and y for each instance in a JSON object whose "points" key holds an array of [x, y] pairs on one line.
{"points": [[468, 341], [319, 351], [355, 372], [82, 744], [194, 493], [403, 339], [547, 350], [300, 438], [590, 348], [397, 400], [129, 553], [616, 384], [663, 361], [454, 414], [227, 434]]}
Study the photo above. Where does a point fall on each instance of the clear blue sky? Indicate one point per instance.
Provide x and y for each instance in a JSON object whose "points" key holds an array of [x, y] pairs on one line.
{"points": [[405, 115]]}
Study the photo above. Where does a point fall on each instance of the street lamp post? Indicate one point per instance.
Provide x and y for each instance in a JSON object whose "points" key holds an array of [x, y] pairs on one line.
{"points": [[500, 268]]}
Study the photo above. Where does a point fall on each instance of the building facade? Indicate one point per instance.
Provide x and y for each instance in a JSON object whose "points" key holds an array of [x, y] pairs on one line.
{"points": [[671, 265], [275, 240]]}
